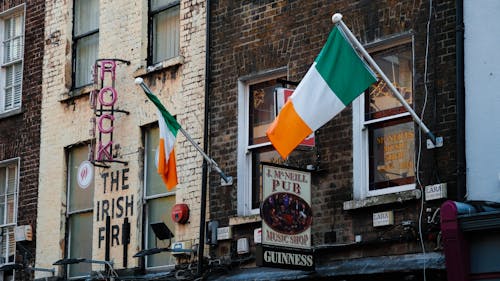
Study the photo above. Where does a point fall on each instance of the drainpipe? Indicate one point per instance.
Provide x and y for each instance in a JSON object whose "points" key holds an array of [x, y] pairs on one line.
{"points": [[204, 173], [460, 98]]}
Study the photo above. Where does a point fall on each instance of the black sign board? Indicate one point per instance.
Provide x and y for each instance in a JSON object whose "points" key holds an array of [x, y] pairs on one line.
{"points": [[301, 259]]}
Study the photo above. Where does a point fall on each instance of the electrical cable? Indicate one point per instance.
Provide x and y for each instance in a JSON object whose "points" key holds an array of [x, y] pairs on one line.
{"points": [[417, 168]]}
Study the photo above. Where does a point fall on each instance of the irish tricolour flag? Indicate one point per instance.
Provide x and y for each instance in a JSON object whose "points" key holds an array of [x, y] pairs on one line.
{"points": [[336, 78], [165, 161]]}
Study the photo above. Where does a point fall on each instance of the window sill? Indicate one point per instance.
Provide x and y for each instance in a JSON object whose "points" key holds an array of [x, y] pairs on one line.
{"points": [[244, 220], [397, 197], [11, 113], [173, 62], [76, 93]]}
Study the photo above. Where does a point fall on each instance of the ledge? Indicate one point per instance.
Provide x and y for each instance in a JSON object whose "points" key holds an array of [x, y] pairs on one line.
{"points": [[244, 220], [76, 93], [11, 113], [397, 197], [175, 61]]}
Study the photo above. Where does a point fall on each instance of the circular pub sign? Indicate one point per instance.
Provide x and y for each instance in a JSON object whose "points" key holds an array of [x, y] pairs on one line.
{"points": [[286, 213], [85, 174]]}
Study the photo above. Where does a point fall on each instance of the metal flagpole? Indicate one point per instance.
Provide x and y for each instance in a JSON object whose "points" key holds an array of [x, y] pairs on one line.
{"points": [[337, 19], [211, 162]]}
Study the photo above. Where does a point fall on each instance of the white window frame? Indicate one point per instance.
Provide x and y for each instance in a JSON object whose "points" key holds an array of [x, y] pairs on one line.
{"points": [[5, 163], [149, 198], [361, 162], [11, 13], [244, 169]]}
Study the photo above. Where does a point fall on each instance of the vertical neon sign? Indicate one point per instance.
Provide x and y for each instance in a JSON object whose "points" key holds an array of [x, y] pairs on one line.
{"points": [[102, 100]]}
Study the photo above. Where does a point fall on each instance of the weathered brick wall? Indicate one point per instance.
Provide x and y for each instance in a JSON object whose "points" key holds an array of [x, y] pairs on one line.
{"points": [[249, 37], [20, 134], [179, 85]]}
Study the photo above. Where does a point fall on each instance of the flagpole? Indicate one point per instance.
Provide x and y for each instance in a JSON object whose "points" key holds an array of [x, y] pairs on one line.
{"points": [[337, 19], [211, 162]]}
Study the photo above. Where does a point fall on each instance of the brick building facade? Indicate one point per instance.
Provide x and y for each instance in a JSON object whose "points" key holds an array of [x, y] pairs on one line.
{"points": [[254, 46], [94, 225], [22, 28]]}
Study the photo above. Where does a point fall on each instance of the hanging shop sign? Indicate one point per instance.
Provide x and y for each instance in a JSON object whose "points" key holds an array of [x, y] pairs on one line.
{"points": [[281, 97], [286, 218], [286, 207]]}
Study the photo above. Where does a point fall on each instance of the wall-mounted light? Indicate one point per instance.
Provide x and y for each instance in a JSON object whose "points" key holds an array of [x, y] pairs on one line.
{"points": [[20, 266], [162, 232]]}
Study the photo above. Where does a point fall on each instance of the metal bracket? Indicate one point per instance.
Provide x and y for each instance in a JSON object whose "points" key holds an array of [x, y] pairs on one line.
{"points": [[226, 183], [439, 143]]}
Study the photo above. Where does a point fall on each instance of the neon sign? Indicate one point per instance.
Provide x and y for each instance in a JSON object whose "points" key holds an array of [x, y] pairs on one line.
{"points": [[103, 100]]}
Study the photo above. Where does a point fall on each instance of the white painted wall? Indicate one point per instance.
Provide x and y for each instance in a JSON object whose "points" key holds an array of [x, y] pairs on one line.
{"points": [[482, 90]]}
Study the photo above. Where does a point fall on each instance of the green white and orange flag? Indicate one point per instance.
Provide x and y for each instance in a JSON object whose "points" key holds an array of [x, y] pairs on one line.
{"points": [[336, 78], [169, 127]]}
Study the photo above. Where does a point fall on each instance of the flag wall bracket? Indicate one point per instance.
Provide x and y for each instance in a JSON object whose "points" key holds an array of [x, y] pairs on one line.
{"points": [[229, 181], [433, 141], [431, 145], [225, 180]]}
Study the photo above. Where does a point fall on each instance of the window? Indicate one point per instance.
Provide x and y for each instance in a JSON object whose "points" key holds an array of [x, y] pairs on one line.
{"points": [[164, 29], [384, 132], [158, 203], [9, 181], [11, 78], [85, 40], [256, 107], [80, 205]]}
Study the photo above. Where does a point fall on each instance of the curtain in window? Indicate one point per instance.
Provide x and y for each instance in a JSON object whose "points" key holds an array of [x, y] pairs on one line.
{"points": [[166, 34], [86, 54], [86, 26], [86, 16]]}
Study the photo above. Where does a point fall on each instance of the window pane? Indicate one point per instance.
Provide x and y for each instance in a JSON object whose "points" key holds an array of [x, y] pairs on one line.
{"points": [[153, 181], [397, 65], [11, 194], [262, 114], [268, 155], [159, 210], [8, 244], [86, 54], [392, 152], [13, 38], [79, 198], [166, 34], [86, 16], [80, 242], [8, 193], [3, 183]]}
